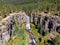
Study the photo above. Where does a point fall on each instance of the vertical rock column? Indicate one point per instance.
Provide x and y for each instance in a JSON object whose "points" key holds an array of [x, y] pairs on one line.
{"points": [[4, 35]]}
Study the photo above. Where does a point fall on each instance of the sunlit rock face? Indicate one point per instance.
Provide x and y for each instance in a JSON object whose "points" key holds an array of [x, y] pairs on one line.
{"points": [[4, 35], [50, 24], [47, 20], [7, 26]]}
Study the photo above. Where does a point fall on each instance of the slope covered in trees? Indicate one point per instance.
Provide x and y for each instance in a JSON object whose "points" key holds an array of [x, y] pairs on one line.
{"points": [[7, 6]]}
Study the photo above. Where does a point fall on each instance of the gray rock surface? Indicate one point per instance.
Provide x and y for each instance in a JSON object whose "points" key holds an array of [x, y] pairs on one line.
{"points": [[50, 22], [7, 26]]}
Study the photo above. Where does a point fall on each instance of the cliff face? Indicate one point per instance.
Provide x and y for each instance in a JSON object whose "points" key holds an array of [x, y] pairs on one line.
{"points": [[49, 22], [7, 26]]}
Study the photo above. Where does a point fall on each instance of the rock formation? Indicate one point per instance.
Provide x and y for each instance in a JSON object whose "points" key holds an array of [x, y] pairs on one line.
{"points": [[50, 22], [7, 26]]}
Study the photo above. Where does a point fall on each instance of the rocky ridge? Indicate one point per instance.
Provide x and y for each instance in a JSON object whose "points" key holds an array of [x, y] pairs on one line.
{"points": [[51, 23]]}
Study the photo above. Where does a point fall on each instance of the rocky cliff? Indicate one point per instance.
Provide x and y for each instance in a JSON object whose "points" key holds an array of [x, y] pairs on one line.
{"points": [[50, 22], [7, 26]]}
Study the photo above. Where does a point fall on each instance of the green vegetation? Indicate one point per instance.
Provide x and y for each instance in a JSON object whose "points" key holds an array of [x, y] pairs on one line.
{"points": [[20, 36], [57, 40], [39, 37], [28, 5]]}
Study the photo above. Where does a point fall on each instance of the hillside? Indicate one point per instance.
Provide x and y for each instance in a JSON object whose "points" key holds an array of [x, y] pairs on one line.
{"points": [[7, 6], [29, 5], [19, 1], [20, 35], [41, 33]]}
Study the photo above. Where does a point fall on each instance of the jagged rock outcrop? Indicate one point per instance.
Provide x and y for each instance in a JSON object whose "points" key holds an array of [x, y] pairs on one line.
{"points": [[7, 26], [51, 23]]}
